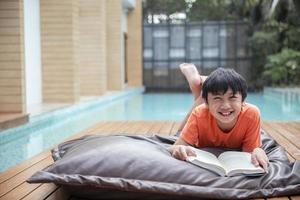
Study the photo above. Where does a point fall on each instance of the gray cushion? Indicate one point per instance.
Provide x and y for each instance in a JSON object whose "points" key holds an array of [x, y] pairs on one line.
{"points": [[135, 167]]}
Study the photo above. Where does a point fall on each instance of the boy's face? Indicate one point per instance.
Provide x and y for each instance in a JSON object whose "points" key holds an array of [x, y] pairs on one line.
{"points": [[225, 108]]}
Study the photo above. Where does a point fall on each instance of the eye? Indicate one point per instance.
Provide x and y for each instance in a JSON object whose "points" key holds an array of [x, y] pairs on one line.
{"points": [[217, 98], [233, 97]]}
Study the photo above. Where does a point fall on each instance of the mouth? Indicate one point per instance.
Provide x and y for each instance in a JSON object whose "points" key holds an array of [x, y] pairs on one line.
{"points": [[226, 114]]}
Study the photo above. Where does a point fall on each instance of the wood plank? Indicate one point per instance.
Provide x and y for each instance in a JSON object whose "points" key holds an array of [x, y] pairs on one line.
{"points": [[131, 128], [145, 127], [95, 129], [296, 125], [59, 194], [288, 132], [292, 127], [270, 131], [23, 166], [20, 178], [42, 192], [155, 128], [175, 128], [295, 197], [137, 127], [118, 128], [19, 191], [166, 128], [125, 128], [293, 150]]}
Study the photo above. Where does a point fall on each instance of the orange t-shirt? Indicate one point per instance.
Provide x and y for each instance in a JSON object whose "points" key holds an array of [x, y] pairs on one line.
{"points": [[201, 130]]}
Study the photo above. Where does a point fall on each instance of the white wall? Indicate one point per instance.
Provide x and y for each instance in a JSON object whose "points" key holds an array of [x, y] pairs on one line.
{"points": [[32, 48], [123, 50]]}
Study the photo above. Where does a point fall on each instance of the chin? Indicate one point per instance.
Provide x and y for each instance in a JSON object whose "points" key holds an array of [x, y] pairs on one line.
{"points": [[226, 120]]}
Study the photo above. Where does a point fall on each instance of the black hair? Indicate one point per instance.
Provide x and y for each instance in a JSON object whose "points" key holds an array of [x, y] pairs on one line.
{"points": [[220, 80]]}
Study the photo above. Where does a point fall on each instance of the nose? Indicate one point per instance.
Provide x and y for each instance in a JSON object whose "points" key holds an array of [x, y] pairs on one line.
{"points": [[225, 105]]}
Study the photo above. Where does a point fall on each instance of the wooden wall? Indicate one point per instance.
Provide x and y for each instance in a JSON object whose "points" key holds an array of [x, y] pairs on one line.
{"points": [[81, 49], [115, 79], [59, 40], [12, 81], [134, 46], [92, 47]]}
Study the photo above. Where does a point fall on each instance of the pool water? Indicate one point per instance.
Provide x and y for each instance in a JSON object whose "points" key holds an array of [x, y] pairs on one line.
{"points": [[22, 144], [174, 106]]}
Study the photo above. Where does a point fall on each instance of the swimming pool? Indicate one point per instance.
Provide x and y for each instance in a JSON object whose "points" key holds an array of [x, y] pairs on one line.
{"points": [[19, 144]]}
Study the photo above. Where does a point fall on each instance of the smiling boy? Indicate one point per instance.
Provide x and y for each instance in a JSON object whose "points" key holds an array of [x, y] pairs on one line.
{"points": [[220, 117]]}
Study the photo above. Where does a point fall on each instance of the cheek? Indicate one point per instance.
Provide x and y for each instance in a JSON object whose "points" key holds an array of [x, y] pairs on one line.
{"points": [[212, 106], [238, 105]]}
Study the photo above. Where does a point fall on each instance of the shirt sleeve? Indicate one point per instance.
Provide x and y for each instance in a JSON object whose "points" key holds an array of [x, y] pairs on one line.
{"points": [[252, 137], [190, 131]]}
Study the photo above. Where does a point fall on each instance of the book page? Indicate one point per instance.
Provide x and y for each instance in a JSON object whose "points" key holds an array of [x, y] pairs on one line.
{"points": [[239, 161], [207, 160]]}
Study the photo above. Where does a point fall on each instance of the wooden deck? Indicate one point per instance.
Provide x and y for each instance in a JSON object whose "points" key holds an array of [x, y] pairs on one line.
{"points": [[13, 185]]}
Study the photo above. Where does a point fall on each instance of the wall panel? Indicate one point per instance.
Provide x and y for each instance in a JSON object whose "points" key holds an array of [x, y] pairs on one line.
{"points": [[92, 47], [59, 39], [12, 81]]}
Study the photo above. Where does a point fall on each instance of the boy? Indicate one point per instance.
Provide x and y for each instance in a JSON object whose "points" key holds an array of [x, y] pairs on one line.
{"points": [[220, 118]]}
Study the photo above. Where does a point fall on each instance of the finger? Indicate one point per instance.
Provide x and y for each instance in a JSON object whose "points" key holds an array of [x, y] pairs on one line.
{"points": [[190, 151], [264, 164], [254, 160], [183, 153], [176, 154]]}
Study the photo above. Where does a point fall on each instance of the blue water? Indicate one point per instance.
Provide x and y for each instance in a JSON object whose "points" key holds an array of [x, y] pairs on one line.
{"points": [[21, 145]]}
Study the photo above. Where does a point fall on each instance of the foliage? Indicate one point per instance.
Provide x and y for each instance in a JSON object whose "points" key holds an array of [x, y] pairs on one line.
{"points": [[276, 47], [202, 10], [198, 10], [264, 43], [283, 68], [292, 38]]}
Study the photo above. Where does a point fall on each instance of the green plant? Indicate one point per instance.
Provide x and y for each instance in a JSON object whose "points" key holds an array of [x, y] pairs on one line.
{"points": [[292, 38], [283, 68], [264, 43]]}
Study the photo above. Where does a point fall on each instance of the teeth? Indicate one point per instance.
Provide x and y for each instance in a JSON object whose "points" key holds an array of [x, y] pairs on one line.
{"points": [[226, 114]]}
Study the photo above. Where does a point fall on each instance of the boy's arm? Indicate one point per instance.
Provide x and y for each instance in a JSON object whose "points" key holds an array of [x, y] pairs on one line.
{"points": [[252, 143], [259, 157], [181, 149], [197, 102]]}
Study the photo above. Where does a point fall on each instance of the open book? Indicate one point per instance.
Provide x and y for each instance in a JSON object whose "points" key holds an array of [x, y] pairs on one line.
{"points": [[229, 163]]}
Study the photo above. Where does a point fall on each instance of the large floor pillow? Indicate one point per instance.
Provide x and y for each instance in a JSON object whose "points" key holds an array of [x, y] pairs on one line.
{"points": [[140, 167]]}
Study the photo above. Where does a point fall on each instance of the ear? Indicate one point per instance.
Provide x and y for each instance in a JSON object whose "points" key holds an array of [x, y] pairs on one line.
{"points": [[243, 103], [206, 102]]}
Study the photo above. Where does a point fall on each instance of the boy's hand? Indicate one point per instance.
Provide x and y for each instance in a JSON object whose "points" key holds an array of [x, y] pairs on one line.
{"points": [[181, 152], [259, 157]]}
